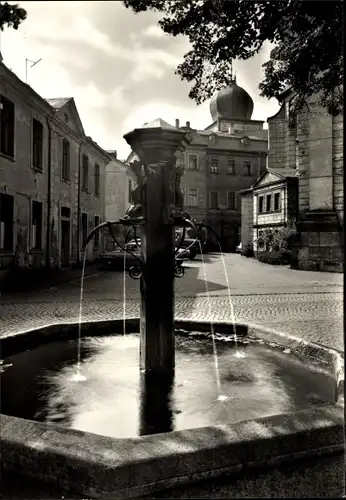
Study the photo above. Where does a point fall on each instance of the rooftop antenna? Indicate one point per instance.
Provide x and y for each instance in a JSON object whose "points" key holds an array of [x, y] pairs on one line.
{"points": [[32, 65]]}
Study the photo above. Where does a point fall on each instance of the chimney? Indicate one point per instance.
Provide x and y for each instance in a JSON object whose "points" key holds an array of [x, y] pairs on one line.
{"points": [[177, 123], [112, 154], [187, 124]]}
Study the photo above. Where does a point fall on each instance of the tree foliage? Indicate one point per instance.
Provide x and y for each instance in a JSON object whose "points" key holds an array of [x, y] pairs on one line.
{"points": [[11, 15], [307, 36]]}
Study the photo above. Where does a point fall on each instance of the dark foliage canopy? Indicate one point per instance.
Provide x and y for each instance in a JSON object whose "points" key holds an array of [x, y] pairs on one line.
{"points": [[307, 35], [11, 15]]}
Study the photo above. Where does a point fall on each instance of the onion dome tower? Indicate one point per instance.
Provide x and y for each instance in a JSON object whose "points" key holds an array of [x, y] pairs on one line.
{"points": [[231, 103]]}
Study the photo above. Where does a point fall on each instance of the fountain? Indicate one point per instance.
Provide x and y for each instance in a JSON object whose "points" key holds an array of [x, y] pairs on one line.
{"points": [[220, 432]]}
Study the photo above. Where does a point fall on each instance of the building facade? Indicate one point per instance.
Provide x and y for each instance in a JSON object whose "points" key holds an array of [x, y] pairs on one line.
{"points": [[311, 144], [116, 196], [271, 204], [275, 204], [51, 179]]}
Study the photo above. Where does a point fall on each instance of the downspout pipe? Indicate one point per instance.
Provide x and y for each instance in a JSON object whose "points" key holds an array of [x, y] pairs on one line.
{"points": [[49, 193], [78, 205]]}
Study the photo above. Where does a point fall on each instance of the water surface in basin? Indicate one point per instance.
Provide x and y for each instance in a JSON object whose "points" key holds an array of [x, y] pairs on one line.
{"points": [[114, 399]]}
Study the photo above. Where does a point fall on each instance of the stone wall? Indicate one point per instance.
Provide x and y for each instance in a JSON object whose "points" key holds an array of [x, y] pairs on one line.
{"points": [[338, 166], [277, 135], [303, 131], [18, 177], [320, 162], [290, 141], [247, 201]]}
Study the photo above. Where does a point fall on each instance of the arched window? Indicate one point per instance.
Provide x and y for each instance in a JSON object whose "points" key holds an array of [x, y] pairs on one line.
{"points": [[65, 166]]}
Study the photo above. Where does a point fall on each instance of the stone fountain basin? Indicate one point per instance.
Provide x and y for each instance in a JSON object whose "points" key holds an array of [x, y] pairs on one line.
{"points": [[96, 466]]}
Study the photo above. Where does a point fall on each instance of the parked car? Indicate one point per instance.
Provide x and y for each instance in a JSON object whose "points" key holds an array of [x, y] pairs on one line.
{"points": [[239, 248], [115, 258], [182, 254]]}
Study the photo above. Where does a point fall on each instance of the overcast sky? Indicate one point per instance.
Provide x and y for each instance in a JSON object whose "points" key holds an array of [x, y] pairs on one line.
{"points": [[118, 66]]}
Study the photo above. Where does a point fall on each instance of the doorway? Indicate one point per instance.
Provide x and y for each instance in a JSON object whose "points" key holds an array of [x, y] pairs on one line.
{"points": [[65, 243]]}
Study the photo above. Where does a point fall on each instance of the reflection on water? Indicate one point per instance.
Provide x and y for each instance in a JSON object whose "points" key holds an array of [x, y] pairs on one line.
{"points": [[115, 399]]}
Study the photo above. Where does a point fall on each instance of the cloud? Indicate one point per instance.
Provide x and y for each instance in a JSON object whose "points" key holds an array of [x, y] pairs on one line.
{"points": [[119, 67], [153, 31]]}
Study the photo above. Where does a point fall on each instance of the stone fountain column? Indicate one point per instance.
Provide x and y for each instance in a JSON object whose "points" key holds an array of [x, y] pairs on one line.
{"points": [[155, 145]]}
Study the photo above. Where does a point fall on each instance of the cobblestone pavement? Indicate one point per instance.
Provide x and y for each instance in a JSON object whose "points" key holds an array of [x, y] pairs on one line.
{"points": [[305, 304], [314, 317]]}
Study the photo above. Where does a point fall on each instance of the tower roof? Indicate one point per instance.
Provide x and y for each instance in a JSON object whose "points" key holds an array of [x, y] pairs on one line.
{"points": [[231, 102]]}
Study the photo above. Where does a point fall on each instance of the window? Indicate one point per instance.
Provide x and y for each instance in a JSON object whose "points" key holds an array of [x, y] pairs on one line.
{"points": [[183, 192], [260, 204], [84, 228], [97, 234], [97, 179], [130, 191], [6, 222], [277, 204], [6, 126], [231, 167], [268, 202], [214, 199], [36, 224], [65, 167], [37, 144], [193, 164], [237, 201], [230, 200], [192, 197], [85, 169], [214, 166], [65, 212], [247, 168], [260, 240]]}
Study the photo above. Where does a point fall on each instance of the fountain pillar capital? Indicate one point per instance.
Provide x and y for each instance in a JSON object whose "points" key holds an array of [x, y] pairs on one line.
{"points": [[155, 145], [157, 142]]}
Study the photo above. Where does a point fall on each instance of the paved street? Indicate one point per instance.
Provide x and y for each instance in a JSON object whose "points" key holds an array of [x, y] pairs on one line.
{"points": [[304, 304]]}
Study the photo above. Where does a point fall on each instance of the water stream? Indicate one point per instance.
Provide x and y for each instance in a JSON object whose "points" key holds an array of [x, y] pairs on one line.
{"points": [[220, 396], [78, 377], [124, 295], [238, 353]]}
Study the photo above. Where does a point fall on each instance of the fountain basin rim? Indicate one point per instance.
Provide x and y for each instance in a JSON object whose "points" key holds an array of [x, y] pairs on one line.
{"points": [[100, 467]]}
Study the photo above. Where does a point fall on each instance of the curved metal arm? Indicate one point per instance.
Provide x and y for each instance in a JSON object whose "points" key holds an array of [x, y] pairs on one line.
{"points": [[97, 228], [186, 222], [202, 224], [180, 242], [135, 271], [135, 236], [109, 224]]}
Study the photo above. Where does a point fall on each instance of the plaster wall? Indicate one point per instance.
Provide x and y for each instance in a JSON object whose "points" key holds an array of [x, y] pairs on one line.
{"points": [[18, 177]]}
